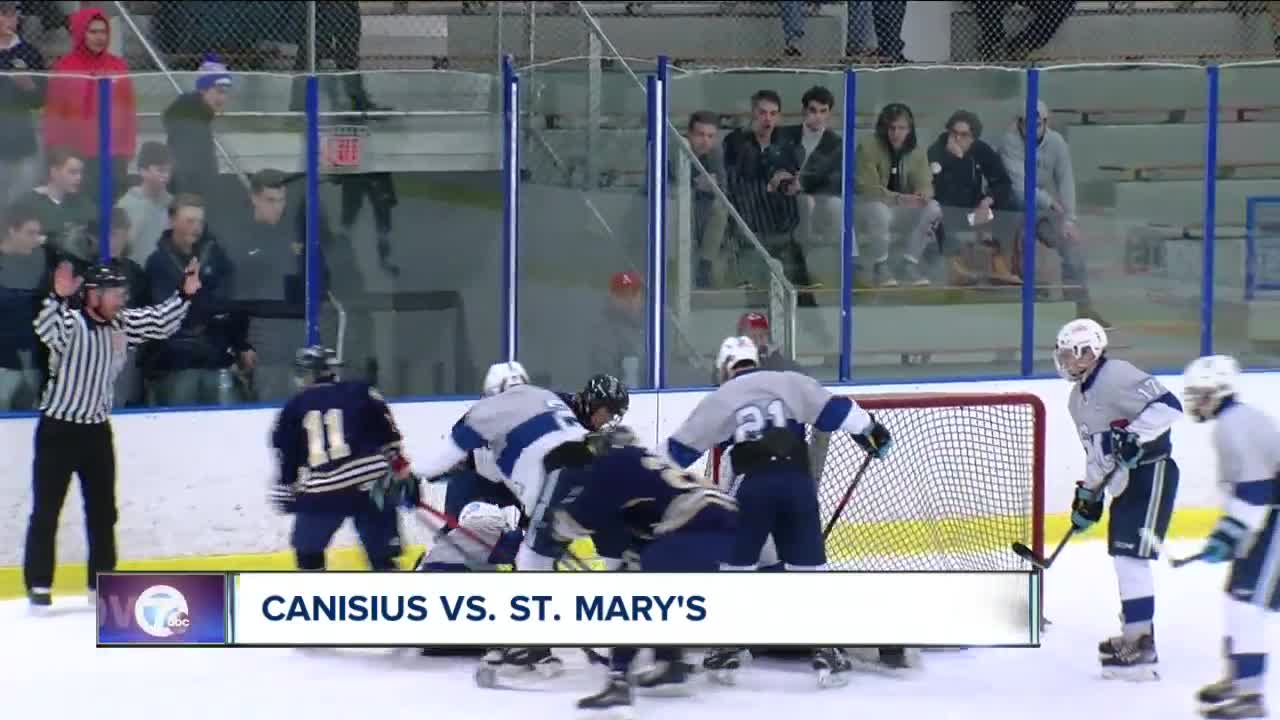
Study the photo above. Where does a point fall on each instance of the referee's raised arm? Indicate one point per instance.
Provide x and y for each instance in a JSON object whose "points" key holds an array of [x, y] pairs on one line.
{"points": [[88, 347]]}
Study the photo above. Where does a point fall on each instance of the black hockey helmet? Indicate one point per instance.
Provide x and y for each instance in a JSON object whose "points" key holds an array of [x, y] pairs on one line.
{"points": [[315, 363], [605, 391], [102, 277]]}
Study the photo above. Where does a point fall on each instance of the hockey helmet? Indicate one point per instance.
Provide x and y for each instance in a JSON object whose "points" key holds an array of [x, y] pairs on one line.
{"points": [[503, 376], [1080, 346], [608, 392], [104, 277], [735, 351], [315, 363], [1207, 382]]}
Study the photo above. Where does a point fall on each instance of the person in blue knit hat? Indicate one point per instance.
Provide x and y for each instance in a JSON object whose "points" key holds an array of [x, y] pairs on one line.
{"points": [[188, 125]]}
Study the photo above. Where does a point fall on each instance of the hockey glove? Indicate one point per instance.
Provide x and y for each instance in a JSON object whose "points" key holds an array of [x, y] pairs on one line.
{"points": [[394, 492], [1086, 508], [1226, 540], [1126, 447], [875, 440]]}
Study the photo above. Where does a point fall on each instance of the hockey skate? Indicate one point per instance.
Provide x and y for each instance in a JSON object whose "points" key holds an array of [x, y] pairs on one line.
{"points": [[722, 664], [665, 679], [613, 702], [1132, 659], [1223, 700], [499, 667], [832, 666], [39, 601]]}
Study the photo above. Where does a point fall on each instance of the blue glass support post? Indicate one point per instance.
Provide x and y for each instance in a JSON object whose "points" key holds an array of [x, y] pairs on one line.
{"points": [[510, 205], [105, 186], [656, 127], [1210, 211], [847, 238], [1031, 121], [315, 279]]}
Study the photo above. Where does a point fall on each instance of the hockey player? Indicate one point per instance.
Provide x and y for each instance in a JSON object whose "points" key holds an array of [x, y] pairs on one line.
{"points": [[1124, 416], [758, 417], [334, 439], [674, 522], [533, 436], [1247, 445]]}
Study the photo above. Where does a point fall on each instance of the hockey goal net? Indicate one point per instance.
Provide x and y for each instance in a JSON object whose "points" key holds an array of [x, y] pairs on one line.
{"points": [[965, 480]]}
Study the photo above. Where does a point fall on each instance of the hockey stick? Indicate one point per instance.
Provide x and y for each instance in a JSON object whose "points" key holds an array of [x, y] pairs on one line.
{"points": [[1042, 563], [1174, 562], [848, 494]]}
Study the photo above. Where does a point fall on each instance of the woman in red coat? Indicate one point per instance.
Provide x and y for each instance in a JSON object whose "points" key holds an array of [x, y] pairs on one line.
{"points": [[71, 104]]}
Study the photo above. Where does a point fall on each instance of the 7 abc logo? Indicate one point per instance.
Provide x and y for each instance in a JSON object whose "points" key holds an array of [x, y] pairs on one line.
{"points": [[161, 611]]}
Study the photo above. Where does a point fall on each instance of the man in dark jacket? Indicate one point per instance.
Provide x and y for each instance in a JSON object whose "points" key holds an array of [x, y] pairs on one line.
{"points": [[193, 367], [188, 127], [761, 166], [820, 173], [20, 94], [976, 194], [24, 283]]}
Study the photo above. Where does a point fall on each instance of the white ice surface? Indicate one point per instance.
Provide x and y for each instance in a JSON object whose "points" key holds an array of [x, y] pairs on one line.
{"points": [[51, 669]]}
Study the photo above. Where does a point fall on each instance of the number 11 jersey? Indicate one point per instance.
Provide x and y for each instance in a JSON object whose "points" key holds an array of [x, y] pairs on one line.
{"points": [[332, 439]]}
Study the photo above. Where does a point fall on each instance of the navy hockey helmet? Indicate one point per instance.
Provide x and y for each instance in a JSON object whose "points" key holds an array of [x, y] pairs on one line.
{"points": [[606, 391], [315, 363]]}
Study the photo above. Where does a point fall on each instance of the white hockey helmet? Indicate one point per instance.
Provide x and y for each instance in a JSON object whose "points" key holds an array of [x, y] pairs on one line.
{"points": [[733, 351], [1080, 345], [1206, 382], [503, 376]]}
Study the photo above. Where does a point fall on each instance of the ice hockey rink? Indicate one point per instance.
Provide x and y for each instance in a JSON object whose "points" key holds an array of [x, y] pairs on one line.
{"points": [[52, 670]]}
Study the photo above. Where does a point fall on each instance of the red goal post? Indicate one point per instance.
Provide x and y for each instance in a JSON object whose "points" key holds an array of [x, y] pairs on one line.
{"points": [[965, 480]]}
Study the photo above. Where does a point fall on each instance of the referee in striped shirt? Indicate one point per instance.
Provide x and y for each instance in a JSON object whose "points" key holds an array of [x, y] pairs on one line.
{"points": [[88, 345]]}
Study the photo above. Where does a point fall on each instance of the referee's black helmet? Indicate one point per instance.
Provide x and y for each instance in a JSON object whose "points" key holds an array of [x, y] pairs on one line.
{"points": [[102, 277]]}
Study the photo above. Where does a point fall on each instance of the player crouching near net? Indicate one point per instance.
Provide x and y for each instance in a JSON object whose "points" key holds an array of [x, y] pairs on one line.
{"points": [[1247, 447], [758, 417], [672, 521], [1124, 416]]}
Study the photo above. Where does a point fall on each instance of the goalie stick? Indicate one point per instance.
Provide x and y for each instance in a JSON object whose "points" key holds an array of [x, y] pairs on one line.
{"points": [[1043, 563]]}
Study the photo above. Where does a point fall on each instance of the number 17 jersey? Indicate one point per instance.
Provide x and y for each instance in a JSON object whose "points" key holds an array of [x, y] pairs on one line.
{"points": [[331, 440]]}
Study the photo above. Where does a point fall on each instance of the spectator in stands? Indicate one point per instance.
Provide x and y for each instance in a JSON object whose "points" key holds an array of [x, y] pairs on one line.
{"points": [[24, 283], [1056, 224], [147, 204], [710, 217], [619, 341], [20, 94], [756, 326], [188, 125], [71, 105], [270, 283], [895, 191], [972, 186], [339, 28], [821, 173], [887, 16], [380, 188], [194, 366], [64, 211], [994, 45], [760, 167]]}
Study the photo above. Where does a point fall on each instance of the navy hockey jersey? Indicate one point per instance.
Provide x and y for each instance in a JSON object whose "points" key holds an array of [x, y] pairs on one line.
{"points": [[632, 488], [332, 440]]}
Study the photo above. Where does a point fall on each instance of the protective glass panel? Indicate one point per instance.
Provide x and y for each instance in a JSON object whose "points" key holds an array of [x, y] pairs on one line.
{"points": [[411, 227], [583, 284], [937, 290], [1126, 249], [759, 240], [1246, 300]]}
